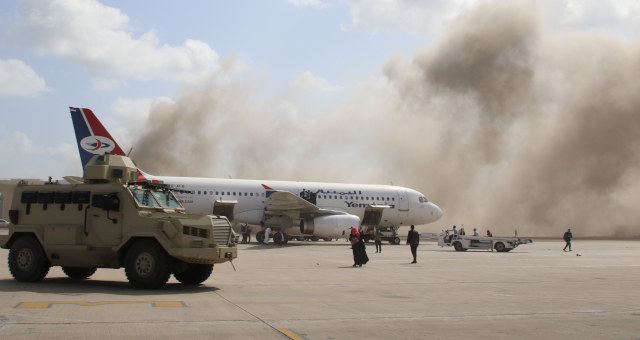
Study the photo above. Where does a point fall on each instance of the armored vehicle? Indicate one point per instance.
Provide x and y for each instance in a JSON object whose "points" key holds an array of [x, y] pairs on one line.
{"points": [[112, 221]]}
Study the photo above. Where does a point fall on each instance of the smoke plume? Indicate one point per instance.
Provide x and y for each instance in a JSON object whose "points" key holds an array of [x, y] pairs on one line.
{"points": [[502, 124]]}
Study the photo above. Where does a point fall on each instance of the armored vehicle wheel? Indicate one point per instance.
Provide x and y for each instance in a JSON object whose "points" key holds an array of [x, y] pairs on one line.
{"points": [[193, 273], [499, 247], [458, 246], [27, 260], [78, 273], [147, 265]]}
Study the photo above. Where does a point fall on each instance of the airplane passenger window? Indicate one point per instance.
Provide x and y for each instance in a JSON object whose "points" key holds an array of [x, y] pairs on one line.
{"points": [[251, 194], [245, 194], [228, 193]]}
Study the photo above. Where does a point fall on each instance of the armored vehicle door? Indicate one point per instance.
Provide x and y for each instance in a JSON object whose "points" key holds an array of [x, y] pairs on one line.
{"points": [[104, 221]]}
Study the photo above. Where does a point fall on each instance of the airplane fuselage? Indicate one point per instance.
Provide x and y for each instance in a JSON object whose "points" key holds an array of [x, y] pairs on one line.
{"points": [[404, 206]]}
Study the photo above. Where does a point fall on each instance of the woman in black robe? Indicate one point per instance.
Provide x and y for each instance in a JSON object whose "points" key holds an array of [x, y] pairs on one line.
{"points": [[357, 246]]}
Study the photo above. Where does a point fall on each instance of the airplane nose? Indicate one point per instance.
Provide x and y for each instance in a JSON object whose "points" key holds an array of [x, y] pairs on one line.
{"points": [[435, 212]]}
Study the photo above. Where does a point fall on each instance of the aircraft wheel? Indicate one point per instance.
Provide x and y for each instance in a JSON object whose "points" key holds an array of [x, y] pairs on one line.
{"points": [[147, 265], [396, 240], [78, 273], [327, 239], [260, 236], [27, 260], [277, 239], [499, 247], [193, 273]]}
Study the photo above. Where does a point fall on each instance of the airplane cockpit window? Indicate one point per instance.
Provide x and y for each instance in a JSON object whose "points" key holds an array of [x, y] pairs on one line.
{"points": [[423, 199]]}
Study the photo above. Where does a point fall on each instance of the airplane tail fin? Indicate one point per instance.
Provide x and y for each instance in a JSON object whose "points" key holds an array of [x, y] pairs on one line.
{"points": [[92, 137]]}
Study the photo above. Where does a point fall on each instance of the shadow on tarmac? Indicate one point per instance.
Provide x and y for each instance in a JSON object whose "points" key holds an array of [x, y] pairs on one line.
{"points": [[67, 286]]}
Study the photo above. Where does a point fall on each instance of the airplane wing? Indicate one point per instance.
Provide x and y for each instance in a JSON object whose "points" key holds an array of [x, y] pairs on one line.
{"points": [[280, 201], [74, 179]]}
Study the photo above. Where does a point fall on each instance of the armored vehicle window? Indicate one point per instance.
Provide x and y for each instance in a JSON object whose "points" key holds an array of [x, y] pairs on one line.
{"points": [[144, 198], [117, 173], [45, 197], [80, 196], [29, 197], [167, 200], [62, 197]]}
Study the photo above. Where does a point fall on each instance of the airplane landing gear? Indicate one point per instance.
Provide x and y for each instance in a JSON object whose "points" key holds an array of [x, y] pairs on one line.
{"points": [[278, 239], [260, 236]]}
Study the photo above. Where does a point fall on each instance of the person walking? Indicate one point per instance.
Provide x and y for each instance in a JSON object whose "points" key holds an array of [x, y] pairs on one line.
{"points": [[413, 239], [567, 238], [267, 233], [358, 248], [377, 237], [246, 235]]}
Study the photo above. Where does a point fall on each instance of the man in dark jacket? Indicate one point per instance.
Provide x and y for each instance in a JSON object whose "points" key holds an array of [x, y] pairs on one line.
{"points": [[413, 239], [567, 238]]}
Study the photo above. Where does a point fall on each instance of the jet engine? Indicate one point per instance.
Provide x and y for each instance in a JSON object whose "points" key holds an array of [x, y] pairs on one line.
{"points": [[329, 225]]}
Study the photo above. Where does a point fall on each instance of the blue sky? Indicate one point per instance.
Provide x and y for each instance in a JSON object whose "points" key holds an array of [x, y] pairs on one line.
{"points": [[118, 57], [529, 106]]}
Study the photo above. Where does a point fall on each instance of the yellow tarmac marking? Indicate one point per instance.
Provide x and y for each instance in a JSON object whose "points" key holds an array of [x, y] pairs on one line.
{"points": [[48, 304], [291, 334]]}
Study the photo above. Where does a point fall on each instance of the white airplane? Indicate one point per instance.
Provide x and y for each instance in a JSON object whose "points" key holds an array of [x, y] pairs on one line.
{"points": [[297, 209]]}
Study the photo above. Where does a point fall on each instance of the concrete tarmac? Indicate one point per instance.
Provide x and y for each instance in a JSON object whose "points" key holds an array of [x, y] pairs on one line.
{"points": [[310, 290]]}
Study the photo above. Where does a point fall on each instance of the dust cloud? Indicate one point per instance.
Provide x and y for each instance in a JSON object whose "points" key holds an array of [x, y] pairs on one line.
{"points": [[502, 124]]}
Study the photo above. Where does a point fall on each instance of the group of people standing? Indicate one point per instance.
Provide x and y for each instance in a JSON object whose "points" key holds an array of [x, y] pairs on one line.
{"points": [[308, 196], [358, 247]]}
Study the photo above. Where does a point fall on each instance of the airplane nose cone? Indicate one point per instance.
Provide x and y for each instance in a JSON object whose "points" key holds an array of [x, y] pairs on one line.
{"points": [[435, 212]]}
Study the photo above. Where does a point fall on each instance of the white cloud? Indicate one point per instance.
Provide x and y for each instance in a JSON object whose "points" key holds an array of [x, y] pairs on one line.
{"points": [[29, 159], [427, 17], [418, 17], [311, 3], [99, 38], [617, 16], [108, 84], [308, 83], [19, 79]]}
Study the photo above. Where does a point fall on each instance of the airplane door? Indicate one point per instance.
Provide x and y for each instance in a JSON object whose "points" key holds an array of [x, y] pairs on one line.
{"points": [[224, 208], [403, 201]]}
